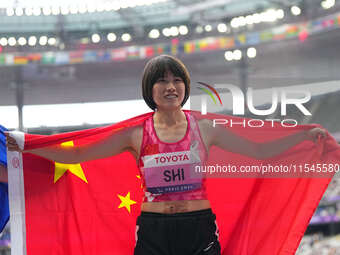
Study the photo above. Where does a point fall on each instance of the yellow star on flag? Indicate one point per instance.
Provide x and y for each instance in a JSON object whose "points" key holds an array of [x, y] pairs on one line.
{"points": [[60, 169], [141, 185], [126, 202]]}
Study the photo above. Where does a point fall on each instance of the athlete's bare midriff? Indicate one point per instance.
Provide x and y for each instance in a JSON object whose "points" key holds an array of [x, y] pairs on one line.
{"points": [[176, 206]]}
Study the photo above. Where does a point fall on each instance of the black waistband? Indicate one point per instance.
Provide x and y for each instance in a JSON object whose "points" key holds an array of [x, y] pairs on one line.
{"points": [[205, 212]]}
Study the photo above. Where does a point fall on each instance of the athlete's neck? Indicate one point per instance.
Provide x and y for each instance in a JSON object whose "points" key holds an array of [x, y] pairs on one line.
{"points": [[169, 118]]}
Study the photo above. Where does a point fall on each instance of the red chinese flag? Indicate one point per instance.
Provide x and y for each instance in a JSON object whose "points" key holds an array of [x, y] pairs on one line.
{"points": [[91, 208]]}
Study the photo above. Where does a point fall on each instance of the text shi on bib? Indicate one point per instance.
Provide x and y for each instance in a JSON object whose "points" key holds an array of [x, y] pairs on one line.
{"points": [[172, 172]]}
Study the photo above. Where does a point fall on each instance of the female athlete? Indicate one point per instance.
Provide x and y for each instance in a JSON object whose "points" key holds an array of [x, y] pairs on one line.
{"points": [[176, 215]]}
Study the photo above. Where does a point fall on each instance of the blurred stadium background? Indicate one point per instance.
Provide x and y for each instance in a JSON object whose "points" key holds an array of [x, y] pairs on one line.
{"points": [[72, 65]]}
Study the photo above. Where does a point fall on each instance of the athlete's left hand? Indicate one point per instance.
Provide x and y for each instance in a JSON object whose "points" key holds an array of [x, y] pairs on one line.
{"points": [[314, 134]]}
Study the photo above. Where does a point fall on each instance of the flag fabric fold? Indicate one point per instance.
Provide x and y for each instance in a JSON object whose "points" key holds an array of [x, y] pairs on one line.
{"points": [[4, 206], [91, 207]]}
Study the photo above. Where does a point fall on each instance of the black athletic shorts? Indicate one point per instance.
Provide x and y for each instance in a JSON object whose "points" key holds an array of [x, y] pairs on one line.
{"points": [[189, 233]]}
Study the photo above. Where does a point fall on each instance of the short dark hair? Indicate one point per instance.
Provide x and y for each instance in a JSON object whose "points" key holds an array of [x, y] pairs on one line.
{"points": [[156, 68]]}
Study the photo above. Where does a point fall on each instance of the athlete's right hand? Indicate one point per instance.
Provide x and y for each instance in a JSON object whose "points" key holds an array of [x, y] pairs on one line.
{"points": [[11, 143]]}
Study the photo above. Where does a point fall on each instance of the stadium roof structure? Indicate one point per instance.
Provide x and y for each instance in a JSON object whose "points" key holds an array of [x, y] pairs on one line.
{"points": [[41, 16]]}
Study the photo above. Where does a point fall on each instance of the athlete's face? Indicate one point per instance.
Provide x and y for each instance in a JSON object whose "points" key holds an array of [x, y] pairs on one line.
{"points": [[168, 92]]}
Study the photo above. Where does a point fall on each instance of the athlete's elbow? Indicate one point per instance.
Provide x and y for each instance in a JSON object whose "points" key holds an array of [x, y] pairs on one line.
{"points": [[262, 152]]}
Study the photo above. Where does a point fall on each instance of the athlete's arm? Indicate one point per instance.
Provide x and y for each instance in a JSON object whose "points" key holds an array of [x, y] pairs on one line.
{"points": [[3, 173], [227, 140], [117, 142]]}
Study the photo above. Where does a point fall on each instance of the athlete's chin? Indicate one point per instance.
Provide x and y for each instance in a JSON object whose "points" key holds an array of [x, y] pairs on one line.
{"points": [[171, 106]]}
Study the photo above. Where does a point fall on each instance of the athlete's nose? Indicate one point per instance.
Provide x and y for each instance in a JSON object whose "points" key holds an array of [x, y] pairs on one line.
{"points": [[170, 87]]}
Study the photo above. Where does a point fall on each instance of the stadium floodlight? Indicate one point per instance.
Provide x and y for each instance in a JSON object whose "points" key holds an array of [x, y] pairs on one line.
{"points": [[154, 33], [82, 8], [207, 28], [166, 31], [115, 6], [126, 37], [55, 10], [73, 9], [91, 7], [64, 10], [19, 11], [28, 11], [132, 4], [111, 37], [269, 16], [22, 41], [251, 52], [242, 21], [3, 41], [43, 40], [95, 38], [10, 11], [228, 55], [36, 11], [52, 41], [235, 23], [32, 41], [257, 18], [183, 30], [108, 7], [47, 7], [280, 14], [326, 4], [222, 28], [174, 31], [124, 4], [250, 19], [237, 54], [295, 10], [100, 8], [47, 10], [199, 30], [149, 2], [12, 41]]}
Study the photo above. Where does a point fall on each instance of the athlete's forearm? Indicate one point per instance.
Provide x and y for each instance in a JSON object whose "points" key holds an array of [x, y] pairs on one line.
{"points": [[274, 148], [114, 143], [60, 154]]}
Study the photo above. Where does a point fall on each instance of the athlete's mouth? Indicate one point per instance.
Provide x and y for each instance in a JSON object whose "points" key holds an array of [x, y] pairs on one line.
{"points": [[171, 96]]}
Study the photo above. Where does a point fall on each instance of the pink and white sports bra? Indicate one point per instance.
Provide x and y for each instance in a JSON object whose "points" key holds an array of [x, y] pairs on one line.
{"points": [[168, 169]]}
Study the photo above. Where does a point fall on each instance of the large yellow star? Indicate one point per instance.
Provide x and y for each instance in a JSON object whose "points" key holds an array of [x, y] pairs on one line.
{"points": [[75, 169], [126, 202]]}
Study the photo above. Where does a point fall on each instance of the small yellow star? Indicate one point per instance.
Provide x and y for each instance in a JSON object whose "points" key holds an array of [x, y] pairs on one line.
{"points": [[60, 169], [126, 202], [141, 185]]}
